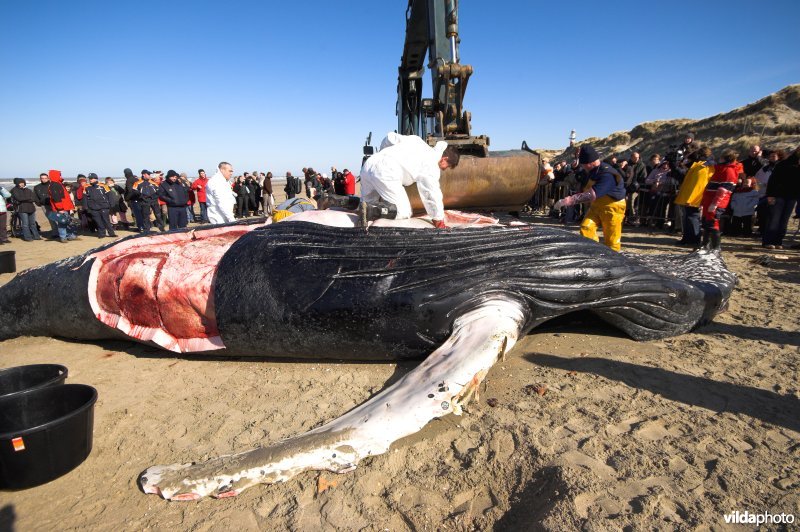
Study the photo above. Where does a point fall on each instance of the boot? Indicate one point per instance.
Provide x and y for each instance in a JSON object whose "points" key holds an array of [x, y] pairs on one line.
{"points": [[368, 212], [715, 240], [326, 201]]}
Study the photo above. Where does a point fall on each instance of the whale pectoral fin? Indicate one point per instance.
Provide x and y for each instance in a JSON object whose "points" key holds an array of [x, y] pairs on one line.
{"points": [[440, 385]]}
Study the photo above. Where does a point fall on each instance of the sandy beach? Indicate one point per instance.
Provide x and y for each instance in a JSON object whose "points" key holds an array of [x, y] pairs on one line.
{"points": [[588, 429]]}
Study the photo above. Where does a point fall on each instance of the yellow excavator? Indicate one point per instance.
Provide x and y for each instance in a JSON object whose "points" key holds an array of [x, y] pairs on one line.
{"points": [[483, 180]]}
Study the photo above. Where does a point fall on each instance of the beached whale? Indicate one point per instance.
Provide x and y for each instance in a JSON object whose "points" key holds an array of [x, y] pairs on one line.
{"points": [[460, 297]]}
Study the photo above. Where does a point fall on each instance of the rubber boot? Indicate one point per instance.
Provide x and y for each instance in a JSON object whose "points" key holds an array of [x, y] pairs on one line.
{"points": [[368, 212], [715, 240]]}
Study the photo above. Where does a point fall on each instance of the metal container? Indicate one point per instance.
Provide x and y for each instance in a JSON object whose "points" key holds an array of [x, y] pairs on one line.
{"points": [[503, 181]]}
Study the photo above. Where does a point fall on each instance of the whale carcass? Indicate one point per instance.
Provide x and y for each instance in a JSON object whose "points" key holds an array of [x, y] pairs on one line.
{"points": [[459, 297]]}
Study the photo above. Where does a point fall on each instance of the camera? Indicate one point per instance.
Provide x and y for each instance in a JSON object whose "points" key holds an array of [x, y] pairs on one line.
{"points": [[675, 154]]}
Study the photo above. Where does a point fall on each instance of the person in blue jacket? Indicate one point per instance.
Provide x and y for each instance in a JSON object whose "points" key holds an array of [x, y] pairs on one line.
{"points": [[605, 191]]}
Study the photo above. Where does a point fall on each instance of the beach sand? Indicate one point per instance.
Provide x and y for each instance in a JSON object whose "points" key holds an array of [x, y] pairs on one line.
{"points": [[590, 430]]}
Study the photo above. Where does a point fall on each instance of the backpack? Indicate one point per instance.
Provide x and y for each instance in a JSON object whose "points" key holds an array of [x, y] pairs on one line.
{"points": [[56, 191]]}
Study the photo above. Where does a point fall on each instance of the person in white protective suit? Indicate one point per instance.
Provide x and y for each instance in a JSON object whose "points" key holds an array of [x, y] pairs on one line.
{"points": [[220, 198], [402, 161]]}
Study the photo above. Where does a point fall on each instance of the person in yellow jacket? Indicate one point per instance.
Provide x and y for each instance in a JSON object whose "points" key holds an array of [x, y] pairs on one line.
{"points": [[605, 189], [690, 195]]}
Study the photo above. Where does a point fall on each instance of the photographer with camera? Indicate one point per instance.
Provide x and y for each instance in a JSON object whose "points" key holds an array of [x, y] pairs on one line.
{"points": [[753, 162], [680, 158], [682, 153]]}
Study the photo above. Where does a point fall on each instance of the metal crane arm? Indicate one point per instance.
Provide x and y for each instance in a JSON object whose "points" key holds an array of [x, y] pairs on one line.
{"points": [[432, 27]]}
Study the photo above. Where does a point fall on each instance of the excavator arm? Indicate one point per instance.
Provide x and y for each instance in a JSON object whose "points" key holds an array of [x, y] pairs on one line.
{"points": [[483, 180], [432, 27]]}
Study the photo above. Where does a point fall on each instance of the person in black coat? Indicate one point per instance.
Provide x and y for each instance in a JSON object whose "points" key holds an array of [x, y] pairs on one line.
{"points": [[24, 201], [242, 197], [175, 194], [252, 194], [42, 192], [339, 184], [783, 190], [148, 200], [133, 197], [293, 186], [97, 201]]}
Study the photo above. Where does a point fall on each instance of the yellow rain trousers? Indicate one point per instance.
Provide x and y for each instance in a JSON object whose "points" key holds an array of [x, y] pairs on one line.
{"points": [[608, 214]]}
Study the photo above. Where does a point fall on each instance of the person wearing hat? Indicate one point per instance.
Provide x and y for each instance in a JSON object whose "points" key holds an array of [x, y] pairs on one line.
{"points": [[605, 189], [175, 194], [97, 202], [61, 207], [148, 200]]}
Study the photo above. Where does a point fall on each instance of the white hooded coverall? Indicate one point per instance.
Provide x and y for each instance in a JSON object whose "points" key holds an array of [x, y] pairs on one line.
{"points": [[220, 199], [402, 161]]}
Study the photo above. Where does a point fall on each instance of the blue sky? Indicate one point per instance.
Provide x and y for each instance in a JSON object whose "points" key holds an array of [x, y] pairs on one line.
{"points": [[99, 86]]}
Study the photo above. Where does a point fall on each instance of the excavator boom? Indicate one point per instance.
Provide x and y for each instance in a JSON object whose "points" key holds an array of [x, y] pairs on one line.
{"points": [[483, 180], [432, 27]]}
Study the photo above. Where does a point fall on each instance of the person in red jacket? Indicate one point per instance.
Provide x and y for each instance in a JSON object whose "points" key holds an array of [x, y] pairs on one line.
{"points": [[717, 196], [82, 184], [60, 199], [199, 186], [349, 183]]}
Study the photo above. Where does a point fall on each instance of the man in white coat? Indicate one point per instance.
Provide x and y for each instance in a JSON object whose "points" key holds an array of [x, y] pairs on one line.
{"points": [[220, 198], [402, 161]]}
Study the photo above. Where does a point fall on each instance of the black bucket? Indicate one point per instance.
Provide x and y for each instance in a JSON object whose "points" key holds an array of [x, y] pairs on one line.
{"points": [[22, 378], [44, 433], [8, 261]]}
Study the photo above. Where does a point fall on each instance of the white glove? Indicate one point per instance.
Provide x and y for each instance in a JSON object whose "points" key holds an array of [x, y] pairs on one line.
{"points": [[558, 204]]}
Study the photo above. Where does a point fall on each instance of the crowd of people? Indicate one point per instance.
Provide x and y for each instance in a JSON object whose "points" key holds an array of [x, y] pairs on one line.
{"points": [[152, 199], [689, 191]]}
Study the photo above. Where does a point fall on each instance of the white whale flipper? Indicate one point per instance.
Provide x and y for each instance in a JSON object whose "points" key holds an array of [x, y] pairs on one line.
{"points": [[440, 385]]}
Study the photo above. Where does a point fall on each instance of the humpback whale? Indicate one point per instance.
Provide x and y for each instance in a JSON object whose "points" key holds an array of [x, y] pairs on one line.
{"points": [[457, 298]]}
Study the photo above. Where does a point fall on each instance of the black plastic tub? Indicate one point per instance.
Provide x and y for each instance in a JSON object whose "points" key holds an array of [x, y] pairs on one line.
{"points": [[8, 261], [44, 433], [20, 378]]}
